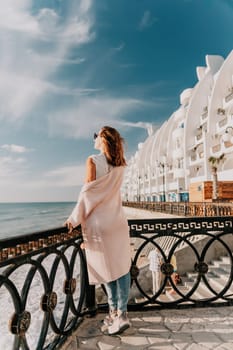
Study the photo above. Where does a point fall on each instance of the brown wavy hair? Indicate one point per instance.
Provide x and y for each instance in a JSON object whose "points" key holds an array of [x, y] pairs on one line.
{"points": [[113, 146]]}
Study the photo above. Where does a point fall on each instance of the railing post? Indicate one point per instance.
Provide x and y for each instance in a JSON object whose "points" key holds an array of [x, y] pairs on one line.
{"points": [[90, 305], [204, 211], [90, 300], [185, 209]]}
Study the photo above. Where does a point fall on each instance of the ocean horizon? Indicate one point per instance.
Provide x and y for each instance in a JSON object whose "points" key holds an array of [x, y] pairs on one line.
{"points": [[20, 218]]}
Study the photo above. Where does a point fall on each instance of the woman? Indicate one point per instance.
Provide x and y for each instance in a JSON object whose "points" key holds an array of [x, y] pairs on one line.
{"points": [[105, 227]]}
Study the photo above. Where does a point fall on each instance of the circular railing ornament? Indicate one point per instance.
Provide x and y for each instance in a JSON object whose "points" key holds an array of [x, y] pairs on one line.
{"points": [[20, 323], [49, 301], [70, 286], [167, 269], [201, 267]]}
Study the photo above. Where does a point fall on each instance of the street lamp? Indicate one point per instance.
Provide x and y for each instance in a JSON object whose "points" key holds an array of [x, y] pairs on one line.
{"points": [[139, 179], [162, 166]]}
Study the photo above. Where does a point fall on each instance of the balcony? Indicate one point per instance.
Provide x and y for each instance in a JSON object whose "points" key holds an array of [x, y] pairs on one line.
{"points": [[229, 97], [216, 148], [201, 154], [222, 123], [179, 114], [199, 137], [185, 96], [178, 153], [204, 116], [193, 158], [172, 186], [221, 111], [227, 137], [204, 113], [177, 133], [179, 173]]}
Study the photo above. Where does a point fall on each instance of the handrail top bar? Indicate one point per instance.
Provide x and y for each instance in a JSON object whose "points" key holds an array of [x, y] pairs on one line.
{"points": [[218, 203], [32, 236], [13, 241], [183, 219]]}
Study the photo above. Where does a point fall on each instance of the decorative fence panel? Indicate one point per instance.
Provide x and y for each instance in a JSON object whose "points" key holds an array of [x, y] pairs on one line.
{"points": [[203, 259], [185, 208], [44, 291], [42, 287]]}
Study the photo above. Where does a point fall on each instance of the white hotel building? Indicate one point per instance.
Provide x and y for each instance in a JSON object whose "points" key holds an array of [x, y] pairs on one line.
{"points": [[176, 155]]}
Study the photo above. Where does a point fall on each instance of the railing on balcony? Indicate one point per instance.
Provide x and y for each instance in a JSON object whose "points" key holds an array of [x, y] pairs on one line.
{"points": [[44, 291], [204, 115], [185, 208], [229, 96], [222, 122], [199, 137]]}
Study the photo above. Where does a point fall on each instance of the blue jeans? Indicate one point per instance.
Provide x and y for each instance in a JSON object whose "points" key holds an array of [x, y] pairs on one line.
{"points": [[118, 293]]}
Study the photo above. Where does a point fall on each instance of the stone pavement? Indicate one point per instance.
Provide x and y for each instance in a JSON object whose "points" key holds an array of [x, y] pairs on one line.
{"points": [[179, 329]]}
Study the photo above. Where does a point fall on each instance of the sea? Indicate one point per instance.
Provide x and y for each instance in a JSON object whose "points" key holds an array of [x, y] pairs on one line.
{"points": [[23, 218], [18, 219]]}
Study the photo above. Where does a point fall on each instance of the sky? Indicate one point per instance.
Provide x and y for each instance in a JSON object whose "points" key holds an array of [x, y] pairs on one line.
{"points": [[69, 67]]}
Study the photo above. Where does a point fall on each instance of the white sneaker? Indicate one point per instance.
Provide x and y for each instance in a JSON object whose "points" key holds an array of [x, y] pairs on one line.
{"points": [[119, 325], [108, 320]]}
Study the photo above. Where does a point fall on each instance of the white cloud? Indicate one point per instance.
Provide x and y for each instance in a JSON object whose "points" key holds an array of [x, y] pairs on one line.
{"points": [[147, 20], [48, 59], [16, 184], [11, 168], [48, 21], [18, 94], [15, 16], [66, 176], [63, 90], [15, 148], [142, 125], [85, 5], [25, 67], [90, 111], [77, 32], [148, 126]]}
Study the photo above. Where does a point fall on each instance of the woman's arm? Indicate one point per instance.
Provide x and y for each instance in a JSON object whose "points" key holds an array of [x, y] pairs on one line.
{"points": [[90, 170], [90, 176]]}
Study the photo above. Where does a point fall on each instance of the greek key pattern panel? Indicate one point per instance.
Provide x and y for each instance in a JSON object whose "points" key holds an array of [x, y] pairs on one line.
{"points": [[180, 225]]}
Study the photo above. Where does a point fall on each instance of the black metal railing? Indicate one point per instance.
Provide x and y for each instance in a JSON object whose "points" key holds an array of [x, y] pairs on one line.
{"points": [[42, 288], [44, 291], [185, 208], [198, 244]]}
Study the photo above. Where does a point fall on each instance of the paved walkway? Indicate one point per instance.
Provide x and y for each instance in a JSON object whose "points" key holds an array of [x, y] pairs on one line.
{"points": [[185, 329]]}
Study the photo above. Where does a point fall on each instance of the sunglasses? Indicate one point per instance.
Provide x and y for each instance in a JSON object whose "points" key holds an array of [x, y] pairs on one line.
{"points": [[95, 136]]}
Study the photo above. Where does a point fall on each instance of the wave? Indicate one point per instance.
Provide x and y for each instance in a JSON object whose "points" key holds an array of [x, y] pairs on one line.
{"points": [[26, 218]]}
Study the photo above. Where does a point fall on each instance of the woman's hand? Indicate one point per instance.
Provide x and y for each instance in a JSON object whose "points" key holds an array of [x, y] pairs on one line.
{"points": [[69, 226]]}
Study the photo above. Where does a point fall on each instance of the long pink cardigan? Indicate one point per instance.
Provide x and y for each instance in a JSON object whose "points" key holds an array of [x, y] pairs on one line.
{"points": [[104, 226]]}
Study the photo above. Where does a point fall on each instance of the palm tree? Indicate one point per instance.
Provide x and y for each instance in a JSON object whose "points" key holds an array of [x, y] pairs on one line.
{"points": [[214, 162]]}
